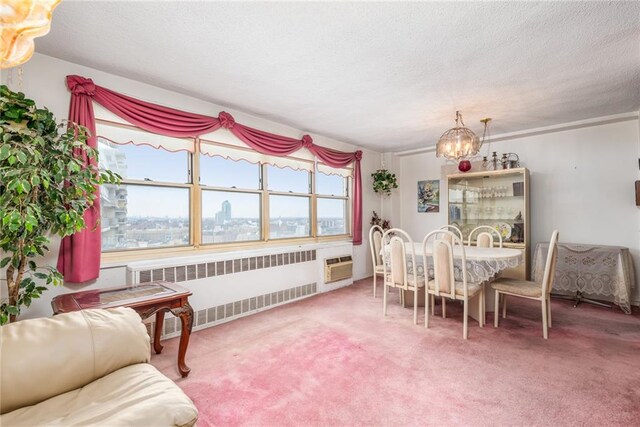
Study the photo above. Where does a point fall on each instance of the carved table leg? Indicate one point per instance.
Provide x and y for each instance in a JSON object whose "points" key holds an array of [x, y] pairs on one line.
{"points": [[158, 331], [185, 313]]}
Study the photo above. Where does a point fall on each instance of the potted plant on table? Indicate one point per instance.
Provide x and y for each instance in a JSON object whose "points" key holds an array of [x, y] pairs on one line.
{"points": [[385, 224], [45, 187]]}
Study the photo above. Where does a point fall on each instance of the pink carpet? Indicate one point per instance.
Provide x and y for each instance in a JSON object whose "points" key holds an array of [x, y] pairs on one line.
{"points": [[334, 360]]}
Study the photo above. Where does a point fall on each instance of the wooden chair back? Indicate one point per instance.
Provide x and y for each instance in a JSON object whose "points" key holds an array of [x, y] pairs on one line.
{"points": [[442, 250], [485, 237], [453, 229], [398, 250], [375, 243], [550, 266]]}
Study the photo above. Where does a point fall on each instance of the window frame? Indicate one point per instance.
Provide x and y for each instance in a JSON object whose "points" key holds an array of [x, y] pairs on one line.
{"points": [[268, 193], [203, 188], [161, 184], [348, 207], [347, 213], [196, 190]]}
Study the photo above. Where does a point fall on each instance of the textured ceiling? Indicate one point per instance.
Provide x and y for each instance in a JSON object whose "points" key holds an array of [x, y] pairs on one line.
{"points": [[388, 76]]}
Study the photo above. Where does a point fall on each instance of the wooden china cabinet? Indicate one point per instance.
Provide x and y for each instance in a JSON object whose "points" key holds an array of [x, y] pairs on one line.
{"points": [[499, 199]]}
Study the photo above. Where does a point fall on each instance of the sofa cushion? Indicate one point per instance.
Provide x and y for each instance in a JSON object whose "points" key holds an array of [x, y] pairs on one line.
{"points": [[45, 357], [138, 395]]}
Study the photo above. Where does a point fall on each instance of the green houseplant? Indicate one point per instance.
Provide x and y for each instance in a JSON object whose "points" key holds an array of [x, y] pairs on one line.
{"points": [[45, 188], [384, 181]]}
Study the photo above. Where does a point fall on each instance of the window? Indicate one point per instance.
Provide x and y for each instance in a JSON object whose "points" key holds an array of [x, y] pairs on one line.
{"points": [[230, 217], [144, 163], [330, 185], [289, 216], [332, 216], [230, 213], [229, 195], [140, 216], [288, 180], [289, 202], [332, 206], [220, 172], [150, 209]]}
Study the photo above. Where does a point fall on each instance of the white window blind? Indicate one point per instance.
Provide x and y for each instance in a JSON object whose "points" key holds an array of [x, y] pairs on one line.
{"points": [[127, 135], [300, 160], [328, 170]]}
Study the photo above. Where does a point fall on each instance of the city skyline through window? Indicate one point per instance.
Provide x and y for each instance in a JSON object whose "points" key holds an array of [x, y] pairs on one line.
{"points": [[153, 206], [142, 162]]}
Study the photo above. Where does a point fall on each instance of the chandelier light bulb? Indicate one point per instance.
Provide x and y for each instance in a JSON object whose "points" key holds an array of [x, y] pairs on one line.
{"points": [[460, 142]]}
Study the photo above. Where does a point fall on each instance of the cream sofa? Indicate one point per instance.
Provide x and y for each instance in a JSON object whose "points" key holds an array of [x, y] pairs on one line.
{"points": [[85, 368]]}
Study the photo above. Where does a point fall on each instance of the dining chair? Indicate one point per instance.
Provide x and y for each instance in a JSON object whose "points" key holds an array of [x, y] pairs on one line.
{"points": [[485, 236], [530, 290], [375, 243], [444, 283], [452, 228], [396, 243]]}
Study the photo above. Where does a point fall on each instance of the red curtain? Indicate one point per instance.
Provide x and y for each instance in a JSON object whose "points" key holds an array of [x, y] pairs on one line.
{"points": [[79, 259]]}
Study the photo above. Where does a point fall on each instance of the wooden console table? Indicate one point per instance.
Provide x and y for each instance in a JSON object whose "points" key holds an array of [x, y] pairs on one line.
{"points": [[147, 299]]}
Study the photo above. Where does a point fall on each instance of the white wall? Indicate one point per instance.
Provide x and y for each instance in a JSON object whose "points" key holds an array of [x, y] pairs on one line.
{"points": [[44, 81], [581, 179], [582, 183]]}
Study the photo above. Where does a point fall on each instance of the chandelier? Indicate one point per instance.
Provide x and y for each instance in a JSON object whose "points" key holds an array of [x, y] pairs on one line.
{"points": [[460, 141], [20, 22]]}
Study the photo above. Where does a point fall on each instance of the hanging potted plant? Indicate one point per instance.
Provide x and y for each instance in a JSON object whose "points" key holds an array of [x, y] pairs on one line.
{"points": [[384, 181]]}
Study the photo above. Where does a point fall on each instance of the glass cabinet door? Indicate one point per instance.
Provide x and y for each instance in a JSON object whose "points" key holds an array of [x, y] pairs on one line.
{"points": [[493, 199]]}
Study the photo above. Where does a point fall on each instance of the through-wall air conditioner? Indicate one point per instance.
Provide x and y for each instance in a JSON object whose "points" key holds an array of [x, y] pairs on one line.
{"points": [[338, 268]]}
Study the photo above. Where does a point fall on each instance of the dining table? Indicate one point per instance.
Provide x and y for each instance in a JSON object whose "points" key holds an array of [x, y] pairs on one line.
{"points": [[483, 265]]}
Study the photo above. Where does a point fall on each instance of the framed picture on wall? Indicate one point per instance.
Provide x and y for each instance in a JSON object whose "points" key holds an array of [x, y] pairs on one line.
{"points": [[429, 196]]}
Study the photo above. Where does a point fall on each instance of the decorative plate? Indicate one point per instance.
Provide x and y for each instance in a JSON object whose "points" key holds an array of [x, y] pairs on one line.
{"points": [[504, 229]]}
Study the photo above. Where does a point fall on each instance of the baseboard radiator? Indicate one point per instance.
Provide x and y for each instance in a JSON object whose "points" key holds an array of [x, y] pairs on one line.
{"points": [[193, 271], [223, 313], [212, 316]]}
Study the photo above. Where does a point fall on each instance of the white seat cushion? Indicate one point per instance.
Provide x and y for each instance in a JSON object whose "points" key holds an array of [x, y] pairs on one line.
{"points": [[409, 280], [420, 280], [137, 395], [472, 288], [379, 269], [518, 287]]}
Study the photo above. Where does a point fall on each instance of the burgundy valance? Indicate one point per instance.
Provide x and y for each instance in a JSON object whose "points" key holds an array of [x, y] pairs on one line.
{"points": [[79, 259]]}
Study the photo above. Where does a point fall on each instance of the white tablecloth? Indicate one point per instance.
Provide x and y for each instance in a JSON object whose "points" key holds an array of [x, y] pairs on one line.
{"points": [[605, 271], [483, 264]]}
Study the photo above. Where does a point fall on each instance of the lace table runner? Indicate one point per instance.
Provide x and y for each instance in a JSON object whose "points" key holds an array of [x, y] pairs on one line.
{"points": [[596, 271]]}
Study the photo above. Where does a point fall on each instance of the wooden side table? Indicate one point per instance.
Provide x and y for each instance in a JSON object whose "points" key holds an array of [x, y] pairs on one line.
{"points": [[147, 299]]}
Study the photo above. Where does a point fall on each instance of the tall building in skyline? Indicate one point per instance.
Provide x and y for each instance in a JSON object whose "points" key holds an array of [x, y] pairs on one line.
{"points": [[113, 198], [226, 210], [224, 214]]}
